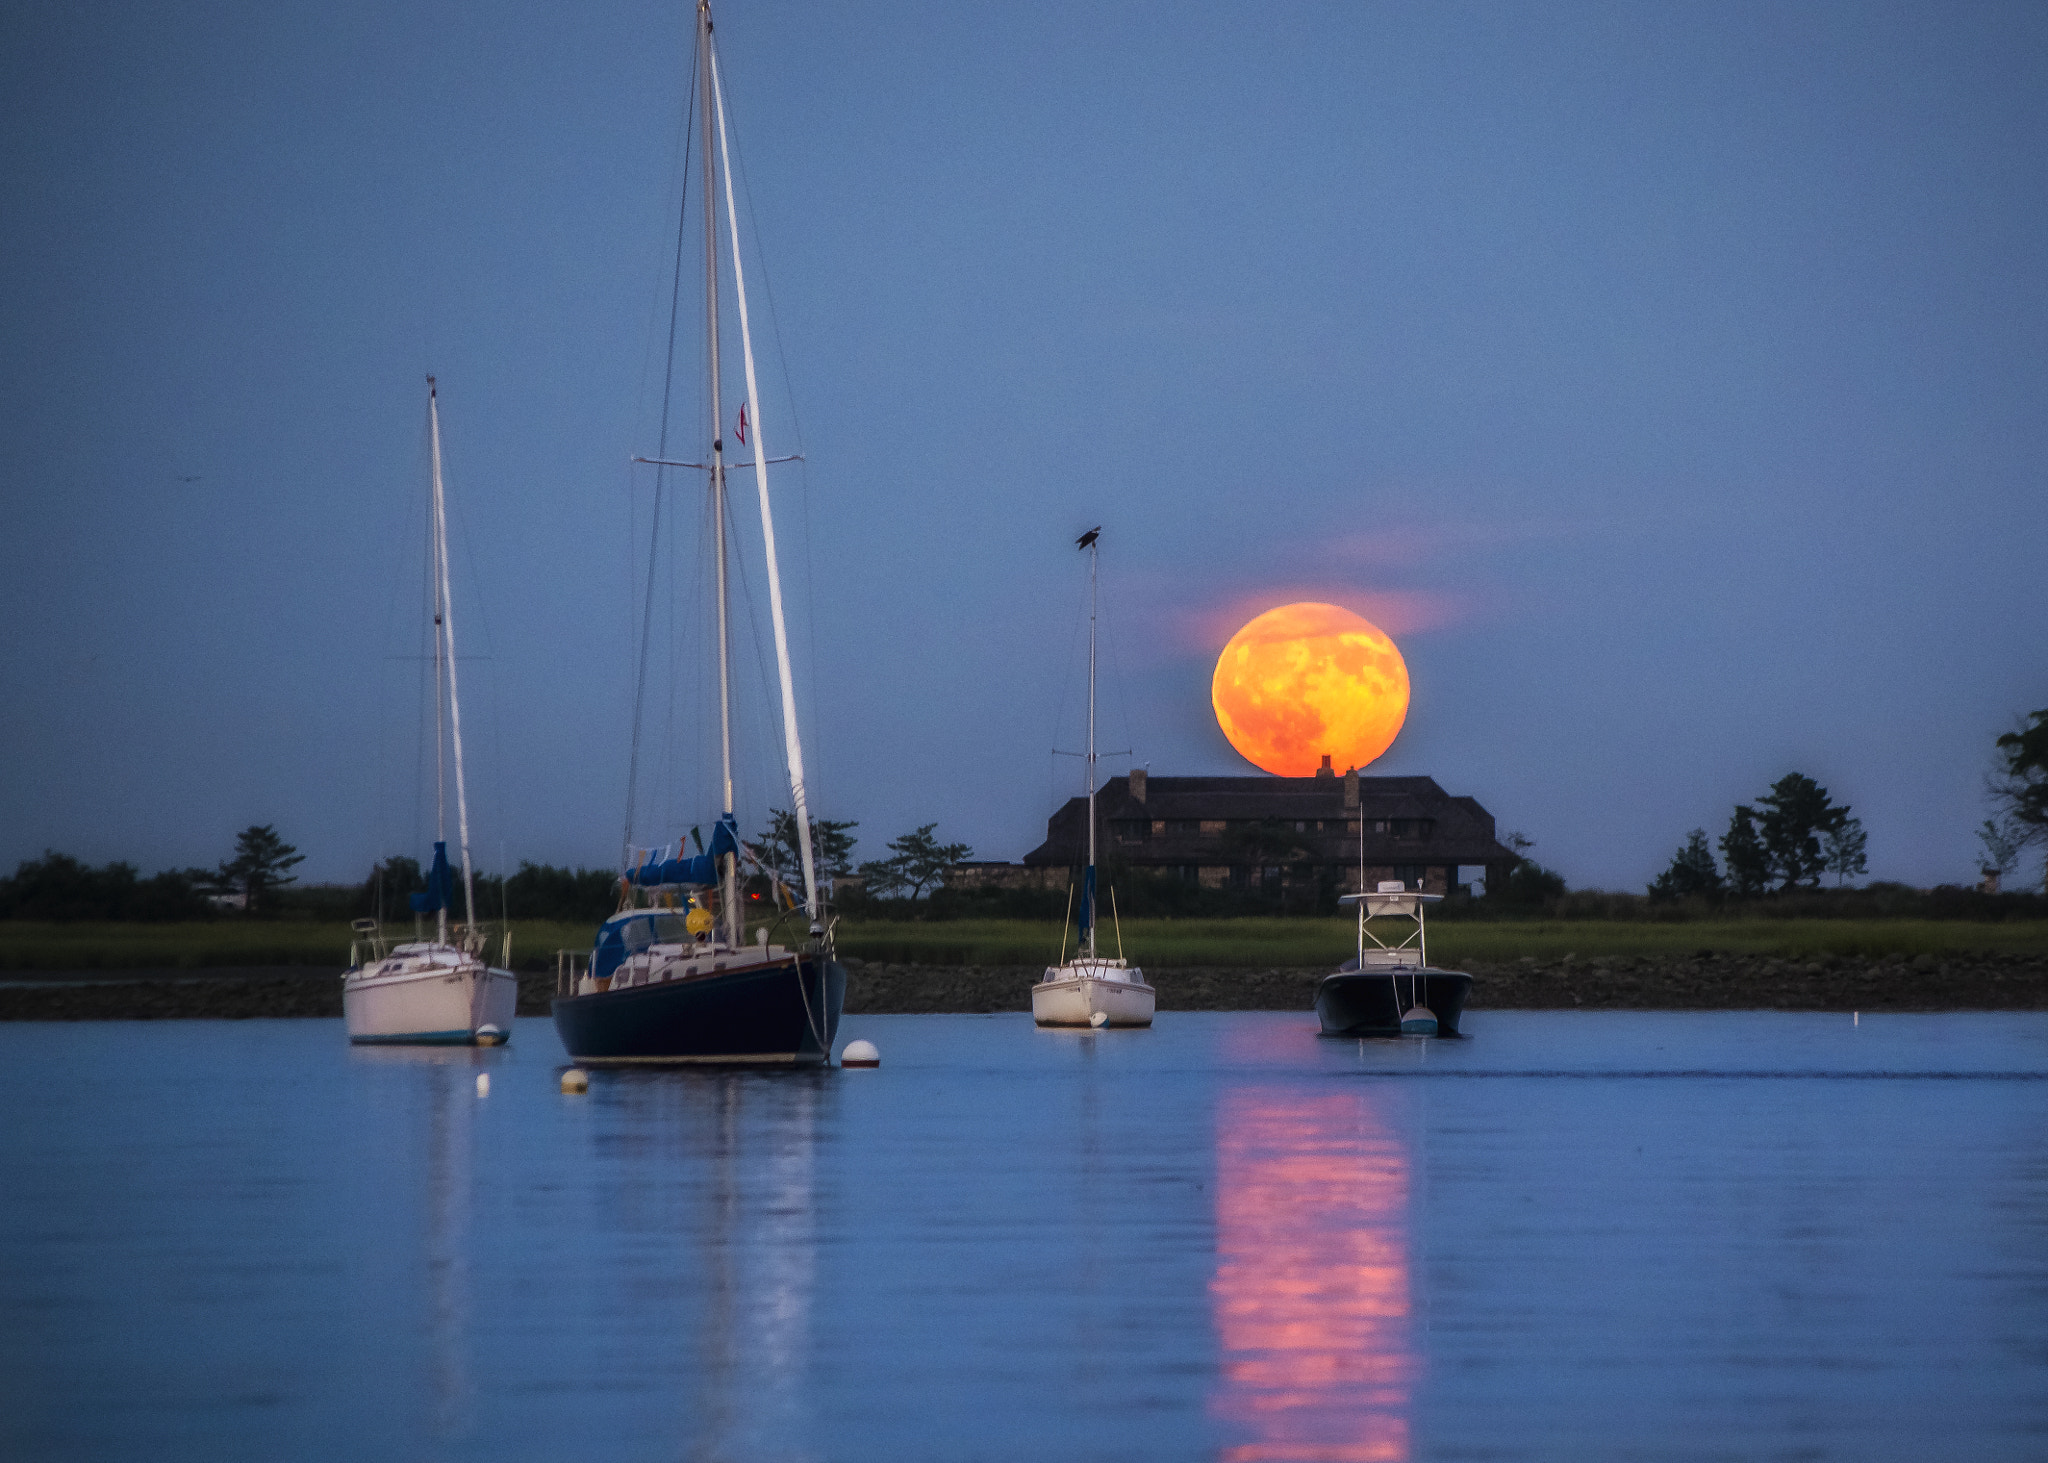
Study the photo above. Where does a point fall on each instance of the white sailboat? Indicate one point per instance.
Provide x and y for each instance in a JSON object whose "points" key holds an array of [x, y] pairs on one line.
{"points": [[439, 991], [1093, 989]]}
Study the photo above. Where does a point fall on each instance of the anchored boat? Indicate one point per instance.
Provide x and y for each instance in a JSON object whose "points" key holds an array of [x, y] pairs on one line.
{"points": [[1092, 990], [1389, 988], [439, 990], [674, 977]]}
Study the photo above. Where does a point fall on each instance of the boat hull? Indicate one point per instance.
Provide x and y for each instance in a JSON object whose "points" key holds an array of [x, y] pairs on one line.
{"points": [[1075, 1000], [783, 1013], [1354, 1003], [468, 1006]]}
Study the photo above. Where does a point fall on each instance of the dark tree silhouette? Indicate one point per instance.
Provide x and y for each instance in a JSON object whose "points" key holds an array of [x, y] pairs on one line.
{"points": [[1692, 871], [917, 862], [259, 865], [2020, 788]]}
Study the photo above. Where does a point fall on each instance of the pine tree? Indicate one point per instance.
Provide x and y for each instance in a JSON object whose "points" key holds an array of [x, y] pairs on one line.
{"points": [[918, 861], [1793, 818], [1842, 850], [1692, 871], [831, 847], [1749, 867], [259, 864]]}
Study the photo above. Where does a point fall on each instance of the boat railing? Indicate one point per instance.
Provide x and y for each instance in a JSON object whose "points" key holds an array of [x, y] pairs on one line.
{"points": [[476, 940], [818, 936], [566, 972]]}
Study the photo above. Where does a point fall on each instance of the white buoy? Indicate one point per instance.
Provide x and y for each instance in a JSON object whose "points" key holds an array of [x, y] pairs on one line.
{"points": [[483, 1084], [575, 1080], [1420, 1021], [1100, 1018], [860, 1054], [489, 1035]]}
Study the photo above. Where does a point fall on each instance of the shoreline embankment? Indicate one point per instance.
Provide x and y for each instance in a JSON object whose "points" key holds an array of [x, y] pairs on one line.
{"points": [[1701, 982]]}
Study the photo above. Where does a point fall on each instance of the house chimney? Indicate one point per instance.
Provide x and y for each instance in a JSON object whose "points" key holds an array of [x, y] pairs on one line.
{"points": [[1324, 770], [1351, 788], [1138, 783]]}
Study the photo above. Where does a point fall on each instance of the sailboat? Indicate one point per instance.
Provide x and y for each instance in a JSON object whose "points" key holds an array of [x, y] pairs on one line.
{"points": [[1093, 989], [439, 990], [673, 978]]}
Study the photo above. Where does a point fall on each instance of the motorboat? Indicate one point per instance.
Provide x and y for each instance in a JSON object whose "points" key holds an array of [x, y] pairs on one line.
{"points": [[1389, 988]]}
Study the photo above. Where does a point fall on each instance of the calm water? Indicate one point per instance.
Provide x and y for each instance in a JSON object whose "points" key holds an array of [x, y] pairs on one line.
{"points": [[1636, 1236]]}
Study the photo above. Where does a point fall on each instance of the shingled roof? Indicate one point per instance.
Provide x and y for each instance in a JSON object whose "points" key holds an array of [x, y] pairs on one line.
{"points": [[1408, 820]]}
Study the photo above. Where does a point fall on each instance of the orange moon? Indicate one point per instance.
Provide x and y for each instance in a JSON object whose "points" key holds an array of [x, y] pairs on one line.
{"points": [[1309, 680]]}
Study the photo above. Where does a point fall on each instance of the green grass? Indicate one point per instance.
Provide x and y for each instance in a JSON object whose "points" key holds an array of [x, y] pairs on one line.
{"points": [[29, 945], [1166, 943]]}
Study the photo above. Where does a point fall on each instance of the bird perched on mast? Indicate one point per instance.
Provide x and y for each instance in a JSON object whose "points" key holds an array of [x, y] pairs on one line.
{"points": [[1087, 538]]}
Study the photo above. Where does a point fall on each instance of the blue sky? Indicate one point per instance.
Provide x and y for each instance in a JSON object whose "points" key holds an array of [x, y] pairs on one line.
{"points": [[1668, 380]]}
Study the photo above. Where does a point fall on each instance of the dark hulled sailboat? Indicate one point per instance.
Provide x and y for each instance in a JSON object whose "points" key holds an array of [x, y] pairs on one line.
{"points": [[673, 977]]}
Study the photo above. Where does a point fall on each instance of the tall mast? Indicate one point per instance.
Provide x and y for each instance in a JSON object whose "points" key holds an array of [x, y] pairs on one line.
{"points": [[1094, 550], [792, 745], [440, 717], [444, 638], [728, 876]]}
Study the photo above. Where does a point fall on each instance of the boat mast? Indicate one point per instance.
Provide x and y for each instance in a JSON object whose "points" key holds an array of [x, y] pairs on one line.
{"points": [[792, 744], [729, 875], [434, 572], [1094, 551], [444, 619]]}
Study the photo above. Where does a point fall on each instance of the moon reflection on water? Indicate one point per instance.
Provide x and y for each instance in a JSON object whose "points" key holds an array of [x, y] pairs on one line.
{"points": [[1311, 1294]]}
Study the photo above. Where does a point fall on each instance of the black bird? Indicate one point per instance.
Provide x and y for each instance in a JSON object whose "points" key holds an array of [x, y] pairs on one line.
{"points": [[1087, 538]]}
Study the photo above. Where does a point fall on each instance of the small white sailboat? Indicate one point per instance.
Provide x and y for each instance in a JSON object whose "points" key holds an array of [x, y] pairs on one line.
{"points": [[1092, 989], [439, 991]]}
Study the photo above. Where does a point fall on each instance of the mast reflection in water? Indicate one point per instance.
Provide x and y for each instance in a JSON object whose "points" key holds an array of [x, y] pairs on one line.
{"points": [[1311, 1291], [710, 1182]]}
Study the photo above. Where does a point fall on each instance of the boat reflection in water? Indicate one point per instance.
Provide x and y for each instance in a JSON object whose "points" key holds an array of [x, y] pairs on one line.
{"points": [[449, 1132], [1312, 1295], [711, 1186]]}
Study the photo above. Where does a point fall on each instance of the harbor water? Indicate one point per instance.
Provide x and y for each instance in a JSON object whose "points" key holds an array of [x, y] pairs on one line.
{"points": [[1571, 1235]]}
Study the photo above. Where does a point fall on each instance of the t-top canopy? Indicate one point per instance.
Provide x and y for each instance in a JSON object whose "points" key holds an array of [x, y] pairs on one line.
{"points": [[1391, 903]]}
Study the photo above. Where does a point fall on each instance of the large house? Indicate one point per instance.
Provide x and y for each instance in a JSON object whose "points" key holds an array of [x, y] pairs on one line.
{"points": [[1263, 832]]}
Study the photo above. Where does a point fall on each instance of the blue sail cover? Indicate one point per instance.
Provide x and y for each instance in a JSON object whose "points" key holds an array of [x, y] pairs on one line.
{"points": [[1087, 901], [440, 884], [701, 870]]}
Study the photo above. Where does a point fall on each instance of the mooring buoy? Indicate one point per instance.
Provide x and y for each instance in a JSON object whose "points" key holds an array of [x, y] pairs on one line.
{"points": [[860, 1054], [1100, 1018], [575, 1080], [1419, 1021]]}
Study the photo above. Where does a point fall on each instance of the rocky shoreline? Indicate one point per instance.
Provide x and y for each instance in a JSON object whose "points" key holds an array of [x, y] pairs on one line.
{"points": [[1705, 982], [1718, 982]]}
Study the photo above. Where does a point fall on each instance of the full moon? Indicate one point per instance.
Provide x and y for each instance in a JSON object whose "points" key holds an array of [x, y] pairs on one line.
{"points": [[1307, 681]]}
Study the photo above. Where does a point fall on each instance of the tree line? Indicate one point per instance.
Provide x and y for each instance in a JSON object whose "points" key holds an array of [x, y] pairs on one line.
{"points": [[1794, 834], [1784, 841], [61, 888]]}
